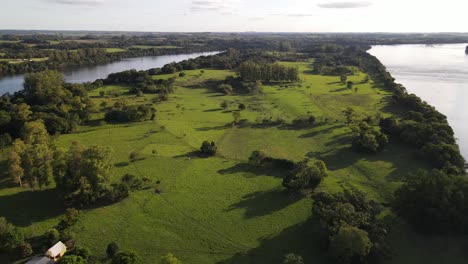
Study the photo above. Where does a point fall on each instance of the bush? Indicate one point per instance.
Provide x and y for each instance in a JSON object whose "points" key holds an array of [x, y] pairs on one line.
{"points": [[132, 181], [182, 74], [52, 236], [170, 259], [367, 139], [208, 148], [349, 243], [72, 259], [292, 258], [112, 249], [257, 157], [25, 250], [70, 218], [125, 257], [305, 174]]}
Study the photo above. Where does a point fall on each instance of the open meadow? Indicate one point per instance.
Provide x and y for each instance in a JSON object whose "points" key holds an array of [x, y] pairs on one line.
{"points": [[222, 209]]}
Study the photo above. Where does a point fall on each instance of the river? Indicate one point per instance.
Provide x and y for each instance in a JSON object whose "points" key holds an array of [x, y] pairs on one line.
{"points": [[11, 84], [436, 73]]}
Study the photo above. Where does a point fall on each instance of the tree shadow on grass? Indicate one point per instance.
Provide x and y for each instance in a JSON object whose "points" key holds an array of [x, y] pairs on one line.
{"points": [[27, 207], [305, 239], [213, 128], [260, 203], [250, 170], [327, 129], [339, 90], [213, 110]]}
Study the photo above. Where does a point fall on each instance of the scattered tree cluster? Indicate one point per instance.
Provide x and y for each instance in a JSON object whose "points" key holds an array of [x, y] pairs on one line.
{"points": [[266, 72], [434, 202], [208, 148], [123, 113], [355, 233], [367, 139]]}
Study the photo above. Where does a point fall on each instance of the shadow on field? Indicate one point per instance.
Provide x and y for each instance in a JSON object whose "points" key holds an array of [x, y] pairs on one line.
{"points": [[328, 129], [253, 170], [340, 90], [259, 204], [213, 110], [213, 128], [305, 239], [27, 207]]}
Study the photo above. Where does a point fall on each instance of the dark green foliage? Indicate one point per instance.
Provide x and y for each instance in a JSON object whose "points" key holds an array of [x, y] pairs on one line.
{"points": [[389, 126], [132, 113], [208, 148], [83, 176], [251, 72], [132, 181], [305, 174], [82, 252], [348, 244], [368, 139], [72, 259], [304, 121], [351, 209], [112, 249], [259, 158], [125, 257], [10, 236], [24, 250], [292, 258], [170, 259], [52, 236], [434, 202], [241, 107], [182, 74], [225, 89], [70, 218]]}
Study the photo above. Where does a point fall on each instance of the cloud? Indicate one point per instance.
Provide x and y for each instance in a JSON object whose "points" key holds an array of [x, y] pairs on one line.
{"points": [[344, 5], [225, 6], [293, 14], [77, 2]]}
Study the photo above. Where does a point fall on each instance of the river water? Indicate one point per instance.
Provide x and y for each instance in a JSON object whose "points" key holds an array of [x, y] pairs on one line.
{"points": [[82, 74], [436, 73]]}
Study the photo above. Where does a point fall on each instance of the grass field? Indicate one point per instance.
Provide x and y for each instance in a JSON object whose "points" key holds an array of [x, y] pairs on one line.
{"points": [[15, 61], [221, 209], [113, 50], [153, 47]]}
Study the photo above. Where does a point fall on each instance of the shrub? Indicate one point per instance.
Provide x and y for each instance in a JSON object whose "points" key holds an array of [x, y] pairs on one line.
{"points": [[170, 259], [70, 218], [52, 236], [112, 249], [350, 242], [25, 250], [305, 174], [208, 148], [292, 258], [125, 257]]}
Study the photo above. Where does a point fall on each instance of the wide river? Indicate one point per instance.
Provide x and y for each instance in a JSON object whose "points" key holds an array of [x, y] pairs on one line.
{"points": [[82, 74], [436, 73]]}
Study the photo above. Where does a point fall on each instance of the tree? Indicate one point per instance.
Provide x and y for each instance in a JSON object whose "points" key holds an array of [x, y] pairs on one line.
{"points": [[52, 236], [257, 157], [31, 158], [350, 242], [72, 259], [223, 105], [5, 140], [182, 74], [112, 249], [25, 250], [225, 89], [305, 174], [10, 236], [292, 258], [70, 218], [350, 115], [241, 107], [368, 139], [208, 148], [170, 259], [343, 79], [236, 115], [125, 257], [349, 85]]}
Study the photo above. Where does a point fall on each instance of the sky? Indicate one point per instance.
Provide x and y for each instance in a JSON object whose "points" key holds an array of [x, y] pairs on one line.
{"points": [[237, 15]]}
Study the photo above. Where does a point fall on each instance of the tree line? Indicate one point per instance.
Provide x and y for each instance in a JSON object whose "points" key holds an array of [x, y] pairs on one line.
{"points": [[266, 72]]}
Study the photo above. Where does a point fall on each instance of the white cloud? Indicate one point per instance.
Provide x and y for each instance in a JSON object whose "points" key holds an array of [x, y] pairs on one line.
{"points": [[225, 6], [344, 4], [76, 2]]}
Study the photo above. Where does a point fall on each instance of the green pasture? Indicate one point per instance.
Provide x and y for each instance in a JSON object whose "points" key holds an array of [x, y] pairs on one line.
{"points": [[222, 209]]}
